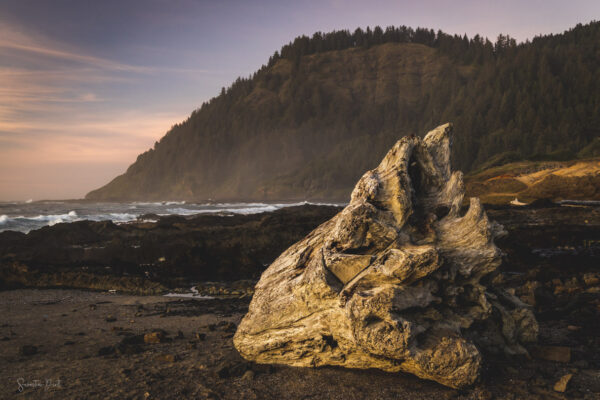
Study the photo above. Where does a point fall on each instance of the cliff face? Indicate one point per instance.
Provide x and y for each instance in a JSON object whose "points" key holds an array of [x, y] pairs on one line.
{"points": [[277, 156], [306, 125]]}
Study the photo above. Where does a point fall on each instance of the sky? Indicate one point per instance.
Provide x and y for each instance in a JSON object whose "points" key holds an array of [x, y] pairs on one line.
{"points": [[87, 85]]}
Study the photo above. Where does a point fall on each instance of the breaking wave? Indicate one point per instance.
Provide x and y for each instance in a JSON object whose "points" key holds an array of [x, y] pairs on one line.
{"points": [[24, 217]]}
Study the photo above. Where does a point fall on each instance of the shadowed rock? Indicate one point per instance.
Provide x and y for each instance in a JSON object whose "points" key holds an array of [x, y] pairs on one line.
{"points": [[394, 281]]}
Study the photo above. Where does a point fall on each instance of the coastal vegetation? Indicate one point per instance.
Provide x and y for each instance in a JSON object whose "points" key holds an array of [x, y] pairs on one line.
{"points": [[325, 108]]}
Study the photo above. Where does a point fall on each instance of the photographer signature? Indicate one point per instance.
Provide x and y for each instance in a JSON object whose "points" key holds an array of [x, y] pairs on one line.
{"points": [[38, 383]]}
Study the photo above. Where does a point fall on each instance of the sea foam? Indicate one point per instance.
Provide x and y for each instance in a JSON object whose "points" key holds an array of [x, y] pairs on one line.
{"points": [[26, 217]]}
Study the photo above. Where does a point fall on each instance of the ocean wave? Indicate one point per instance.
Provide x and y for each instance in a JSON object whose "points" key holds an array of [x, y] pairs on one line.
{"points": [[254, 210], [115, 217], [240, 208], [43, 214], [157, 203], [54, 219], [71, 215], [24, 223], [185, 211], [235, 205], [230, 206], [236, 210], [122, 217]]}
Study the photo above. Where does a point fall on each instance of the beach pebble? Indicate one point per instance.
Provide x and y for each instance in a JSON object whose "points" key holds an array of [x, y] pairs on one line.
{"points": [[561, 384], [166, 358], [154, 337], [248, 376]]}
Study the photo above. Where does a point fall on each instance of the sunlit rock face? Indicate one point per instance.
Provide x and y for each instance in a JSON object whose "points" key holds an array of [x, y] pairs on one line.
{"points": [[398, 280]]}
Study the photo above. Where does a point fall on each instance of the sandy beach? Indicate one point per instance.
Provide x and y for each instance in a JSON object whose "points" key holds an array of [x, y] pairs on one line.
{"points": [[72, 344]]}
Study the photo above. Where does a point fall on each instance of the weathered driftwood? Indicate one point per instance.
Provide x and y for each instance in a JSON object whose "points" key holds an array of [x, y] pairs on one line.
{"points": [[398, 280]]}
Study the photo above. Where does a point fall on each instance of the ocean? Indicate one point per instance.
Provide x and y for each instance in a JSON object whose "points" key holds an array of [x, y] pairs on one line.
{"points": [[27, 216]]}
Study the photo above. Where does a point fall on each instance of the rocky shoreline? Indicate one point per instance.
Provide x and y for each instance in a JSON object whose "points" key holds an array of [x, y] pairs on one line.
{"points": [[175, 252], [93, 341], [214, 251]]}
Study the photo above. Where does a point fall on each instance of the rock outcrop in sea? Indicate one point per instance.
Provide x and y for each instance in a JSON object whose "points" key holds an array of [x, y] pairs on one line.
{"points": [[399, 280]]}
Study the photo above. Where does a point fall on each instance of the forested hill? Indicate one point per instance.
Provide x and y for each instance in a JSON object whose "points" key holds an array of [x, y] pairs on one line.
{"points": [[325, 109]]}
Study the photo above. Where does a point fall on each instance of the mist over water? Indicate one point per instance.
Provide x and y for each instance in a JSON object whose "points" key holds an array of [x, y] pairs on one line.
{"points": [[27, 216]]}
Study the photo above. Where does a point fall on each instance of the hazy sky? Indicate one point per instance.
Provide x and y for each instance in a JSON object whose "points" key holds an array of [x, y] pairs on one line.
{"points": [[85, 86]]}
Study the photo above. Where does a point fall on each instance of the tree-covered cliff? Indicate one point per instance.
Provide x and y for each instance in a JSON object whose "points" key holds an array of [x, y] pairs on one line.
{"points": [[326, 108]]}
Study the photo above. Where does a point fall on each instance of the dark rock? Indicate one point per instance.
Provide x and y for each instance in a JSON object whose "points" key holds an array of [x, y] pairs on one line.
{"points": [[543, 296], [107, 350], [553, 353], [587, 380], [133, 339], [148, 258], [130, 349], [131, 345], [28, 350], [542, 203], [149, 216], [227, 326], [263, 368], [231, 368]]}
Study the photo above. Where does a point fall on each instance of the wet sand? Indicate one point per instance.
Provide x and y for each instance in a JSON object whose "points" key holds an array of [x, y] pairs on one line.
{"points": [[91, 345]]}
